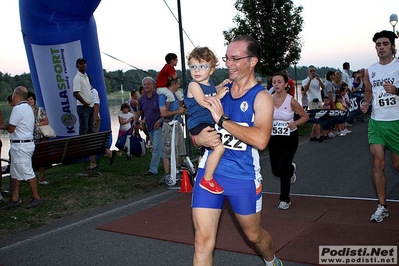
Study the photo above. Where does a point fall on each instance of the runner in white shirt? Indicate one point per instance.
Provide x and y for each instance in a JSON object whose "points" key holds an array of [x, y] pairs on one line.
{"points": [[382, 82]]}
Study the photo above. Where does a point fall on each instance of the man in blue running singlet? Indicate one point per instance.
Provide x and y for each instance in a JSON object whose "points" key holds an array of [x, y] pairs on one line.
{"points": [[244, 122]]}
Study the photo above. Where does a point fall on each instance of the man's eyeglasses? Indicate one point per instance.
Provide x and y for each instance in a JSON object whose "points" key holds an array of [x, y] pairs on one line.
{"points": [[199, 67], [235, 59]]}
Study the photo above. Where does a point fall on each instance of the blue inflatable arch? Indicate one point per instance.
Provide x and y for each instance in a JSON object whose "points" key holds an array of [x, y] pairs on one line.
{"points": [[55, 34]]}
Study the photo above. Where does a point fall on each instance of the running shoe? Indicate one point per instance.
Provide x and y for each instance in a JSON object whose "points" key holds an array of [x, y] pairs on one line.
{"points": [[379, 214], [211, 186], [276, 262], [293, 177], [284, 205]]}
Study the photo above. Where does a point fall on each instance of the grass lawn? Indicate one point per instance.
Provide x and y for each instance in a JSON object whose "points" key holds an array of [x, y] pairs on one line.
{"points": [[71, 193]]}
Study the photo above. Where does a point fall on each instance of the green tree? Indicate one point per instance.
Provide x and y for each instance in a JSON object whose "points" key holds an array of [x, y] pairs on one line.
{"points": [[276, 24], [5, 90]]}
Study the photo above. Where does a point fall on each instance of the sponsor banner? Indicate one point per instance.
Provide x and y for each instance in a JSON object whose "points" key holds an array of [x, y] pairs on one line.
{"points": [[56, 68], [347, 255], [331, 117]]}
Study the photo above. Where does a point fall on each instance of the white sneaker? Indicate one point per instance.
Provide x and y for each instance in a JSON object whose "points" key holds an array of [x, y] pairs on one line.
{"points": [[342, 133], [379, 214], [293, 177], [331, 135], [347, 131], [284, 205]]}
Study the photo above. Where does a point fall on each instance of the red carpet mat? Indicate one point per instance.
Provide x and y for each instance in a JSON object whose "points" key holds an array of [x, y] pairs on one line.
{"points": [[297, 232]]}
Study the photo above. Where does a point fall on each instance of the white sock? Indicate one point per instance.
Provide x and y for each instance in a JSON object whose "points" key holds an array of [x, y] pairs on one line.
{"points": [[270, 263]]}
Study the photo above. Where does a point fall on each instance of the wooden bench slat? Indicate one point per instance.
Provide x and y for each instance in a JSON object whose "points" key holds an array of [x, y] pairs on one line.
{"points": [[70, 149]]}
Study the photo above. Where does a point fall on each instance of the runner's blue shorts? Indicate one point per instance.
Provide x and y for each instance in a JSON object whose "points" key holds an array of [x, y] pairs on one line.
{"points": [[244, 196]]}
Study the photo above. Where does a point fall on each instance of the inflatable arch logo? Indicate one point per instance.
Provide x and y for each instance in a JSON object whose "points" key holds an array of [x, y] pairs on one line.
{"points": [[56, 33]]}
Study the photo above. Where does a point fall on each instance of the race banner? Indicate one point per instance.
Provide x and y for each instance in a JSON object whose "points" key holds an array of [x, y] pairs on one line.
{"points": [[331, 117]]}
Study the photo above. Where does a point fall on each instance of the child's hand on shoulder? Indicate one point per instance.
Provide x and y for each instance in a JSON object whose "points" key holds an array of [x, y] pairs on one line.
{"points": [[222, 92]]}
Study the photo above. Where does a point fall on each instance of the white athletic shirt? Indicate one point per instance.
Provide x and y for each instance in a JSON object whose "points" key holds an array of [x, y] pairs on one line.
{"points": [[385, 105], [23, 119]]}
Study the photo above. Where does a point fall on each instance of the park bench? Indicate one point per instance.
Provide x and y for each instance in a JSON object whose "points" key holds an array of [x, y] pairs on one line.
{"points": [[68, 150]]}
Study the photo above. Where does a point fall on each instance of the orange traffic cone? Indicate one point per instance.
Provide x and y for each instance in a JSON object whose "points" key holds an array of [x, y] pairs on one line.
{"points": [[185, 183]]}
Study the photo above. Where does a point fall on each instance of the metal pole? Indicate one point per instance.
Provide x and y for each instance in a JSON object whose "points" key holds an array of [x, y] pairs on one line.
{"points": [[296, 85], [183, 69]]}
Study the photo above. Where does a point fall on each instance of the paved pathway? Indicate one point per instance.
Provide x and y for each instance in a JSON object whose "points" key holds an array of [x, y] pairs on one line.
{"points": [[340, 167]]}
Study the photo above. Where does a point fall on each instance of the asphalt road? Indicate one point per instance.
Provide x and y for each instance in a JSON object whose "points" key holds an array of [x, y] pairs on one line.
{"points": [[340, 167]]}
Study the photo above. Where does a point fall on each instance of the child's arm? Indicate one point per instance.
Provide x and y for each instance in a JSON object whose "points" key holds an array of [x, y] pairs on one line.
{"points": [[221, 85], [222, 92], [221, 89], [195, 91], [123, 122]]}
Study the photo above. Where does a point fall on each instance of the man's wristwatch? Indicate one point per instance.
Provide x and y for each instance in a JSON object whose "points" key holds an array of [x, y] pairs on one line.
{"points": [[222, 119]]}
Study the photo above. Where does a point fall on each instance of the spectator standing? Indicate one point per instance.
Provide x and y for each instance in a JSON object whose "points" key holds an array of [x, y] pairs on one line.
{"points": [[304, 99], [125, 118], [97, 121], [202, 63], [382, 82], [142, 122], [340, 106], [329, 89], [284, 139], [133, 101], [96, 107], [21, 127], [41, 119], [312, 85], [149, 106], [346, 103], [84, 103], [171, 115], [327, 134], [337, 82], [9, 100], [245, 123], [358, 80], [345, 75]]}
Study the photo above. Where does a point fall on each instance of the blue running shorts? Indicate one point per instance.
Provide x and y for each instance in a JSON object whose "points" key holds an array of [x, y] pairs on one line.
{"points": [[244, 196]]}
